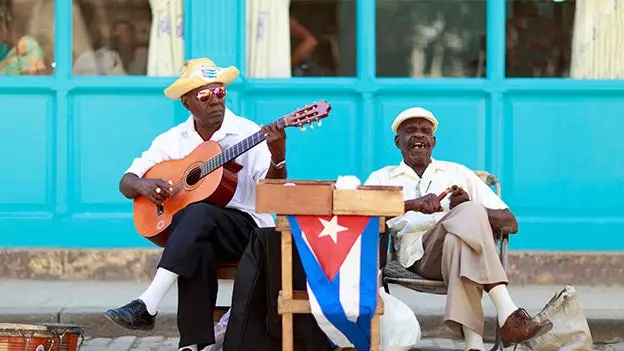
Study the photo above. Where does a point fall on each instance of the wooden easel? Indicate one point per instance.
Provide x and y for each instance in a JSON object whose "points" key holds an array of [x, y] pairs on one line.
{"points": [[284, 197]]}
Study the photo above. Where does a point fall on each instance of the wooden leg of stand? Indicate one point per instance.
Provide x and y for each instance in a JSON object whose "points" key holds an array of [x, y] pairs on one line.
{"points": [[375, 330], [375, 334], [287, 290]]}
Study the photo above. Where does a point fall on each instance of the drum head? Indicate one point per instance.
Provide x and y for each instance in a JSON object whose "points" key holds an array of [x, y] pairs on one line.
{"points": [[19, 329], [58, 325], [61, 328]]}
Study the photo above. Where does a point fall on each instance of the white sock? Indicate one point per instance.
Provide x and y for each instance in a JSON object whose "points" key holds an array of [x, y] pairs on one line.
{"points": [[473, 340], [189, 348], [503, 303], [157, 290]]}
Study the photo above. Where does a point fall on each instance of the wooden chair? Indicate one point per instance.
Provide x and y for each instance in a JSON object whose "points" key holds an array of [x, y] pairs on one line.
{"points": [[395, 273], [227, 271]]}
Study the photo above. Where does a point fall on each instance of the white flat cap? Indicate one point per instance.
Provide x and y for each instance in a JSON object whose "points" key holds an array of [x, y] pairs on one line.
{"points": [[414, 112]]}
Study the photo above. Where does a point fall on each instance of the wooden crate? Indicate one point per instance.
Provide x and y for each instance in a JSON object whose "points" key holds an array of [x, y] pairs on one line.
{"points": [[321, 198]]}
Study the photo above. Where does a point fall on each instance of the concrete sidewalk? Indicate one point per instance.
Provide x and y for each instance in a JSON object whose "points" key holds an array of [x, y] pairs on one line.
{"points": [[159, 343], [83, 303]]}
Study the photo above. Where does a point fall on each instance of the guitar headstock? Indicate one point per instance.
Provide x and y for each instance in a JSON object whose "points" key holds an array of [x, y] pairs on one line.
{"points": [[307, 115]]}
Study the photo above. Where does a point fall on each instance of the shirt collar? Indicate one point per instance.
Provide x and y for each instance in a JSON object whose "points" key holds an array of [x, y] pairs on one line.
{"points": [[227, 128], [404, 169]]}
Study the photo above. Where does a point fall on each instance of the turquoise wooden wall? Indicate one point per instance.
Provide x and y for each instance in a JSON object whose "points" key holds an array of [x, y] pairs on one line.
{"points": [[555, 144]]}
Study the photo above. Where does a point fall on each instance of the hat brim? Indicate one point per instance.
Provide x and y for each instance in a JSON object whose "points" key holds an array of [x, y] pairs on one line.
{"points": [[183, 85], [398, 121]]}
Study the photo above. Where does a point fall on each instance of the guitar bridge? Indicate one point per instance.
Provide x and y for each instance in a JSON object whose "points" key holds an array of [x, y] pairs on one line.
{"points": [[160, 209]]}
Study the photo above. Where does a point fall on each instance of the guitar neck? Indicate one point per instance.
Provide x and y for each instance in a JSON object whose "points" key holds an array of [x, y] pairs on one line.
{"points": [[235, 150]]}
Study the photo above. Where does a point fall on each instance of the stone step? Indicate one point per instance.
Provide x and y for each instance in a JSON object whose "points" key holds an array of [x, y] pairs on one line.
{"points": [[525, 267]]}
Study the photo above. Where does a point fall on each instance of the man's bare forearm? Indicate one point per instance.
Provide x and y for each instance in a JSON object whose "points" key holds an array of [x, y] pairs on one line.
{"points": [[129, 184], [502, 221]]}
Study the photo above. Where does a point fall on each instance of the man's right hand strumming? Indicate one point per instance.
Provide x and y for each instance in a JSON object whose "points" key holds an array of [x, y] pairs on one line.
{"points": [[157, 190]]}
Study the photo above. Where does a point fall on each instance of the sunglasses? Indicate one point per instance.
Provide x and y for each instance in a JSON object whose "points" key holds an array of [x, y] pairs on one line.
{"points": [[204, 95]]}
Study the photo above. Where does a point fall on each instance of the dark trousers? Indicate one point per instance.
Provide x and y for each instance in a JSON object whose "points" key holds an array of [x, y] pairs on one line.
{"points": [[201, 236]]}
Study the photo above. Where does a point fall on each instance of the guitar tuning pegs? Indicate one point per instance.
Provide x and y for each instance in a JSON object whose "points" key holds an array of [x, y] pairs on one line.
{"points": [[312, 125], [318, 123], [303, 129]]}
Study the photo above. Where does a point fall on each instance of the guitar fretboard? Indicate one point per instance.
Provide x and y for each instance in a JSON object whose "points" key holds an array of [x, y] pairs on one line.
{"points": [[235, 150]]}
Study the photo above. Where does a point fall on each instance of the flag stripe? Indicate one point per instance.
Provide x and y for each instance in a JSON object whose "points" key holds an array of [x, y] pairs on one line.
{"points": [[368, 274], [350, 282]]}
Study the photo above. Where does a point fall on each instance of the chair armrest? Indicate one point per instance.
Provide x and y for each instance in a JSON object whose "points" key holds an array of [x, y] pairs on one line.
{"points": [[505, 230], [502, 233]]}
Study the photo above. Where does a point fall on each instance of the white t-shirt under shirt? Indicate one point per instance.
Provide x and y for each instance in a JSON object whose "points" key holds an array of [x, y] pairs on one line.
{"points": [[182, 139], [438, 176]]}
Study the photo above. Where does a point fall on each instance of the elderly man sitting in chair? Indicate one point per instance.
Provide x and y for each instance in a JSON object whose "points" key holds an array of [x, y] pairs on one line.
{"points": [[452, 239]]}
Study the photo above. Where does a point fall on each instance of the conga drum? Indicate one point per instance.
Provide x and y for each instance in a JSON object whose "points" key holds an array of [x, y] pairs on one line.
{"points": [[65, 337], [24, 337]]}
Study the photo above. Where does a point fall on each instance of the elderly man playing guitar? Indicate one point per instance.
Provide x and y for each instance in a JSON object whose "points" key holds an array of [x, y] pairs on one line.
{"points": [[200, 234]]}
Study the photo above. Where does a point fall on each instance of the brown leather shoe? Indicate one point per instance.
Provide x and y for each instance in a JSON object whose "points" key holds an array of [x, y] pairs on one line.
{"points": [[519, 327]]}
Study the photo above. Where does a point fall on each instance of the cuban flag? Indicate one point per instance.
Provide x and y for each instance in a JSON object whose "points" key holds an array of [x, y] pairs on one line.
{"points": [[339, 257]]}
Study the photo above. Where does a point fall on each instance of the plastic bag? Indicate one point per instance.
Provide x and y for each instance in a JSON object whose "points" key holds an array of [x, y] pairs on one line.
{"points": [[570, 329], [400, 330], [219, 330]]}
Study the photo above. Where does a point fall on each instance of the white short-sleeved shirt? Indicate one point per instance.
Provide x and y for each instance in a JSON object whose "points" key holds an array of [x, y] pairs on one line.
{"points": [[438, 176], [182, 139]]}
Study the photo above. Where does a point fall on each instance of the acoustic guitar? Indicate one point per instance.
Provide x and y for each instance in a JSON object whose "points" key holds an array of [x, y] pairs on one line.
{"points": [[207, 174]]}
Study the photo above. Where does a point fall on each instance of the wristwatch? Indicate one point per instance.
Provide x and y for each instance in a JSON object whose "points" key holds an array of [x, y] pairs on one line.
{"points": [[279, 165]]}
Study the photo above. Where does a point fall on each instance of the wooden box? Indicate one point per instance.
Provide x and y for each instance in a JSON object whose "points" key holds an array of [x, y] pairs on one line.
{"points": [[321, 198]]}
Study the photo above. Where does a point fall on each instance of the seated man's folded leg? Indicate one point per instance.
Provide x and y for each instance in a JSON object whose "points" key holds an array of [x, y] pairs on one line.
{"points": [[441, 261], [463, 247]]}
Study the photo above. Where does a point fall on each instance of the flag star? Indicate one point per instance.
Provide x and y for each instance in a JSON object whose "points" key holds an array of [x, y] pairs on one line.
{"points": [[331, 228]]}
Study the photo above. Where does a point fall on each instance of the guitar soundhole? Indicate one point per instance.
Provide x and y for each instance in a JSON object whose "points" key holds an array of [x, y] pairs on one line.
{"points": [[193, 177]]}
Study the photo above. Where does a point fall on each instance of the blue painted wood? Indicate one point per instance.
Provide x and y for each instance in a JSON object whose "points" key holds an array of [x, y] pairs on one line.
{"points": [[553, 143], [125, 115], [33, 165], [215, 30]]}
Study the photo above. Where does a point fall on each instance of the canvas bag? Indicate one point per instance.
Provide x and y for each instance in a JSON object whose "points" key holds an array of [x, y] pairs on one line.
{"points": [[570, 331]]}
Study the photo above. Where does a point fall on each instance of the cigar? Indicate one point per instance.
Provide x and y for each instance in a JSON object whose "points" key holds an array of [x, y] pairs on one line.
{"points": [[448, 190]]}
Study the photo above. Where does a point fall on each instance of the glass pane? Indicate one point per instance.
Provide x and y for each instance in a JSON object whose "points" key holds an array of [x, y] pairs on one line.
{"points": [[115, 37], [26, 37], [431, 38], [309, 38], [579, 39], [538, 36]]}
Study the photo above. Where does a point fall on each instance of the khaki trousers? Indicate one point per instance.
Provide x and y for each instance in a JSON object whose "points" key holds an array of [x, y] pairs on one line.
{"points": [[460, 250]]}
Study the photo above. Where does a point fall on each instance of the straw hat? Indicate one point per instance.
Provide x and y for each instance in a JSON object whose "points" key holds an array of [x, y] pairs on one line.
{"points": [[197, 73], [414, 112]]}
